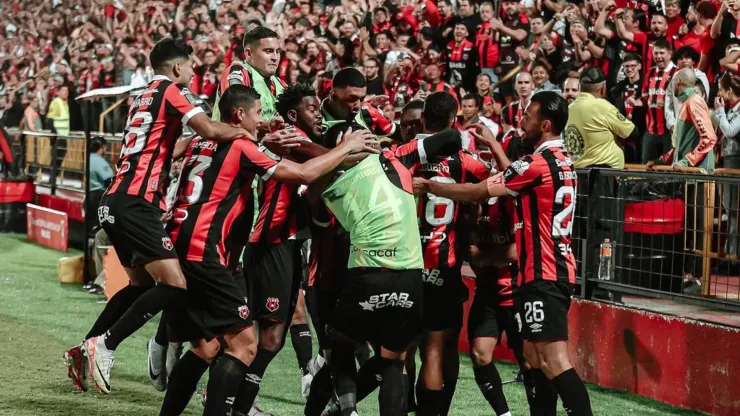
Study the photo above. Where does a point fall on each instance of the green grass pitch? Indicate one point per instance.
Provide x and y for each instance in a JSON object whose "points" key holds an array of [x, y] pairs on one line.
{"points": [[39, 319]]}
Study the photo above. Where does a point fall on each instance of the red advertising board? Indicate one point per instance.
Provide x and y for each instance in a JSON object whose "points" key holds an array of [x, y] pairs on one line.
{"points": [[47, 227]]}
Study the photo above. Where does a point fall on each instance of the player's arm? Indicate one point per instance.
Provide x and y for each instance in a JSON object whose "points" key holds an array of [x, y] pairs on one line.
{"points": [[310, 171], [499, 155], [379, 124], [443, 144], [181, 147], [464, 192]]}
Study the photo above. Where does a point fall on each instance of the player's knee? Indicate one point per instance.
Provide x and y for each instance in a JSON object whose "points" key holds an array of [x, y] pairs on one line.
{"points": [[272, 338], [299, 316], [554, 364], [207, 351], [530, 356], [480, 355], [242, 346]]}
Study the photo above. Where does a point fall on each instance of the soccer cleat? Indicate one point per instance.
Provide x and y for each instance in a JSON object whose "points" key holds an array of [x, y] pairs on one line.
{"points": [[174, 352], [306, 385], [77, 367], [99, 362], [315, 364], [156, 356]]}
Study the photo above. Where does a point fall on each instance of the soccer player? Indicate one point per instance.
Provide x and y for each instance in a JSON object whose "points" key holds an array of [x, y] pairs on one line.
{"points": [[262, 50], [131, 208], [380, 297], [440, 219], [346, 103], [544, 186], [216, 191], [273, 253]]}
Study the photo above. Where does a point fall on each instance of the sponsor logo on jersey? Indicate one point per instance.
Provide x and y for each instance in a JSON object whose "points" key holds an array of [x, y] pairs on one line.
{"points": [[166, 243], [272, 304], [386, 300], [388, 252], [432, 277], [520, 166]]}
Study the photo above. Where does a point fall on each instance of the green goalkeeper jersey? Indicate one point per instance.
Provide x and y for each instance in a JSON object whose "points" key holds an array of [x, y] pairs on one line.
{"points": [[374, 202]]}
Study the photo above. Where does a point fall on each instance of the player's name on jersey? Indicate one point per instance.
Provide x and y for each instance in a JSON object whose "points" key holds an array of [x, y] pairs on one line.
{"points": [[434, 167]]}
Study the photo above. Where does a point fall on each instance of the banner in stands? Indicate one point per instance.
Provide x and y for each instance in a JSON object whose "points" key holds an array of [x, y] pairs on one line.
{"points": [[47, 227]]}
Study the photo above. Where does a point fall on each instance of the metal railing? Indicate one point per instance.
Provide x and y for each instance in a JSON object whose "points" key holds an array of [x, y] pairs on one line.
{"points": [[672, 237]]}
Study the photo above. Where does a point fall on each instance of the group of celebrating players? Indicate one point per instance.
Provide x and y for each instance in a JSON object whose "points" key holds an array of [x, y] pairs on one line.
{"points": [[389, 228]]}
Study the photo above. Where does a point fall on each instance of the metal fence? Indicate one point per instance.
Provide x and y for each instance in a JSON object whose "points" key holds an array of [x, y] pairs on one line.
{"points": [[674, 234]]}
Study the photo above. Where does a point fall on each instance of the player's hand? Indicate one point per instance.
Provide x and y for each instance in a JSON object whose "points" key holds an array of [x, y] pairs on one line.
{"points": [[483, 134], [359, 141], [282, 141], [377, 100], [420, 186]]}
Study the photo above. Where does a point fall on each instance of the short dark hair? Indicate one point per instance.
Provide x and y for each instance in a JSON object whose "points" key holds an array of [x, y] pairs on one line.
{"points": [[475, 97], [237, 96], [553, 107], [96, 143], [257, 34], [167, 50], [440, 109], [686, 52], [706, 9], [291, 97], [631, 57], [506, 115], [413, 105], [349, 77], [663, 44]]}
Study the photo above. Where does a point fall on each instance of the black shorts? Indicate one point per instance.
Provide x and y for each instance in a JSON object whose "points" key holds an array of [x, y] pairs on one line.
{"points": [[135, 229], [542, 310], [444, 295], [383, 307], [217, 304], [273, 274], [320, 304], [488, 319]]}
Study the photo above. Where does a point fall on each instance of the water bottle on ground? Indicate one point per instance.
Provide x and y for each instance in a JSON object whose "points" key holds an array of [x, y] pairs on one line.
{"points": [[605, 260]]}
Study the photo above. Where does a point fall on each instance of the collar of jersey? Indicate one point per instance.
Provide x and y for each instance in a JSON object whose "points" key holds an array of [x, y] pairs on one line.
{"points": [[160, 78], [550, 143]]}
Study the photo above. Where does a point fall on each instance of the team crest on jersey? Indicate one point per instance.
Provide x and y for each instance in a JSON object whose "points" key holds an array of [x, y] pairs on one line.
{"points": [[166, 243], [244, 311], [272, 304]]}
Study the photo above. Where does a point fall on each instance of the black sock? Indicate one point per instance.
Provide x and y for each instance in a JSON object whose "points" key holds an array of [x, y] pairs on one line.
{"points": [[161, 337], [344, 376], [300, 336], [392, 390], [450, 373], [250, 383], [152, 302], [529, 388], [115, 308], [411, 387], [182, 383], [428, 402], [489, 383], [321, 392], [546, 395], [573, 392], [367, 377], [223, 386]]}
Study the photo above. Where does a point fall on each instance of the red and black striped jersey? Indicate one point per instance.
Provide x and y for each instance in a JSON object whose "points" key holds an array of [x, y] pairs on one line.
{"points": [[544, 185], [487, 46], [516, 112], [440, 218], [215, 191], [654, 88], [155, 122], [461, 60], [329, 254], [508, 44], [496, 229], [281, 213]]}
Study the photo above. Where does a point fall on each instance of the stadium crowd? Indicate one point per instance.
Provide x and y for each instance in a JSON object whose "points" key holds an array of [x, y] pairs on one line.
{"points": [[405, 48]]}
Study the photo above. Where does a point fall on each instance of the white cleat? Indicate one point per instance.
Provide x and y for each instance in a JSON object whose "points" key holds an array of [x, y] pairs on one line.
{"points": [[156, 357], [174, 352], [306, 385], [100, 361], [77, 366], [315, 364]]}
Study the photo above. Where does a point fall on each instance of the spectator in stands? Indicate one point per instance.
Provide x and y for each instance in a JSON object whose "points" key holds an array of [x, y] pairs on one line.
{"points": [[571, 89], [59, 112], [727, 113]]}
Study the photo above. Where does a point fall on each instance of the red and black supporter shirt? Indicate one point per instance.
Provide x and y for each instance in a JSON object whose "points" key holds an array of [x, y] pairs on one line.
{"points": [[462, 61], [280, 217], [507, 44], [544, 185], [155, 122], [496, 229], [215, 192], [654, 88], [647, 40], [516, 112], [439, 217], [487, 46]]}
